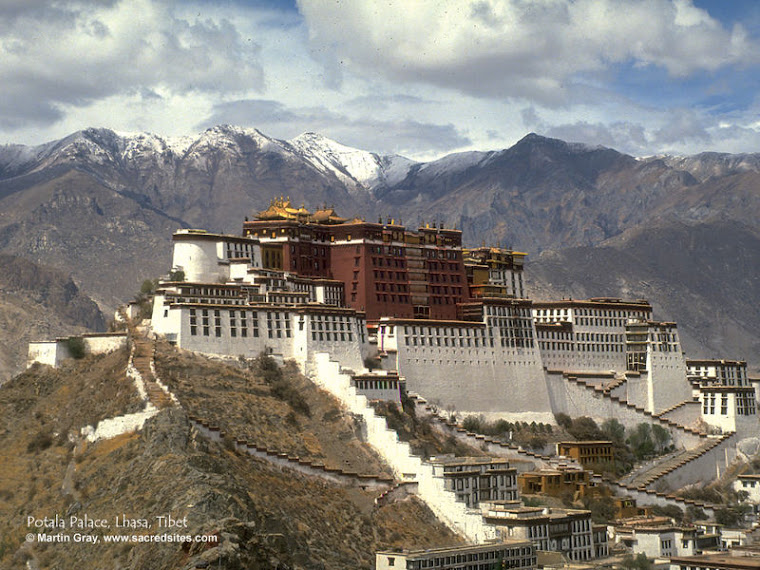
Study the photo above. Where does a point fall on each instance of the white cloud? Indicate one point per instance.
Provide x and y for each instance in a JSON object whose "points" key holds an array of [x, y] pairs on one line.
{"points": [[58, 55], [519, 48]]}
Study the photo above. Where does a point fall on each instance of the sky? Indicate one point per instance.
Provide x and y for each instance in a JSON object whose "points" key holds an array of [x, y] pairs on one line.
{"points": [[421, 78]]}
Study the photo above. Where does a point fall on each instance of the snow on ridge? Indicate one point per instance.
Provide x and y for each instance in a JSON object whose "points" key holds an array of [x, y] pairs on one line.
{"points": [[454, 162], [357, 168]]}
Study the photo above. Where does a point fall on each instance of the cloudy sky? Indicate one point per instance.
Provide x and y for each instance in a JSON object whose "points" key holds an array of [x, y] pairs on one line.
{"points": [[417, 77]]}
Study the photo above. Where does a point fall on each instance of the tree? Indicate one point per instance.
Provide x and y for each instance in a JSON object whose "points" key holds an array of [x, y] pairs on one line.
{"points": [[563, 420], [641, 442], [613, 430], [671, 511], [585, 429], [661, 438], [731, 515], [148, 287], [75, 346], [602, 509], [177, 275], [694, 513], [473, 424]]}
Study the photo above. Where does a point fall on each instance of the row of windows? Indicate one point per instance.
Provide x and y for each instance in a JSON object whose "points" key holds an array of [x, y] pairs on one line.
{"points": [[244, 323], [304, 250], [384, 298], [508, 311], [236, 249], [445, 277], [393, 287], [476, 342], [579, 347], [387, 262], [585, 312], [376, 384], [380, 274], [211, 291], [509, 554]]}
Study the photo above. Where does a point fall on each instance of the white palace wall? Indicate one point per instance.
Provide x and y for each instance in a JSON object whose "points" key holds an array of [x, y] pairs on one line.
{"points": [[199, 260], [667, 380], [456, 365], [281, 331], [53, 352], [707, 467], [636, 390]]}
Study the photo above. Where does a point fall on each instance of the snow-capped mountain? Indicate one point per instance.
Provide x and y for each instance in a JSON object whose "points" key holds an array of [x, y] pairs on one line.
{"points": [[358, 169]]}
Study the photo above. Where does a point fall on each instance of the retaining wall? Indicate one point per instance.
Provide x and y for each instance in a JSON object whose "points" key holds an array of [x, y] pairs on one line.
{"points": [[293, 462]]}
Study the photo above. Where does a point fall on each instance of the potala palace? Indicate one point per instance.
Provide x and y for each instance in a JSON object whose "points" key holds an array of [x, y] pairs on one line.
{"points": [[454, 323], [450, 324]]}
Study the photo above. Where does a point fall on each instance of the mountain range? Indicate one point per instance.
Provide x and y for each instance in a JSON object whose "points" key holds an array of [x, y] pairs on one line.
{"points": [[683, 231]]}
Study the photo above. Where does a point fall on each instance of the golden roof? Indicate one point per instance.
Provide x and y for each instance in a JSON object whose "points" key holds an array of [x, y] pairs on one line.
{"points": [[281, 209]]}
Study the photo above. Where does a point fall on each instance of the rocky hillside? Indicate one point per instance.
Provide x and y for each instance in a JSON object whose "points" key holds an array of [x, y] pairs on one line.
{"points": [[264, 517], [37, 302]]}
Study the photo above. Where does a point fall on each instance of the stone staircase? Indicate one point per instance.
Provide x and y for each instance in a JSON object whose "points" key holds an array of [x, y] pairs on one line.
{"points": [[649, 473], [143, 361]]}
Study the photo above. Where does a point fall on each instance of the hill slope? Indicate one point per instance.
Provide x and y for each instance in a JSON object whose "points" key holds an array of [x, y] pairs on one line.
{"points": [[265, 517]]}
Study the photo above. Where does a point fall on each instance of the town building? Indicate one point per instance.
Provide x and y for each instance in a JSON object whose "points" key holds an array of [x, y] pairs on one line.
{"points": [[659, 537], [562, 481], [715, 561], [518, 554], [477, 479], [569, 531], [724, 390], [626, 508], [384, 385], [750, 484], [587, 452]]}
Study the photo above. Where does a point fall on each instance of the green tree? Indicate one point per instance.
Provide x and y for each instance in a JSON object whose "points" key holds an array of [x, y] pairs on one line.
{"points": [[613, 430], [661, 438], [177, 275], [671, 511], [585, 429], [731, 515], [75, 346], [148, 287], [641, 442], [473, 424], [563, 420], [602, 509]]}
